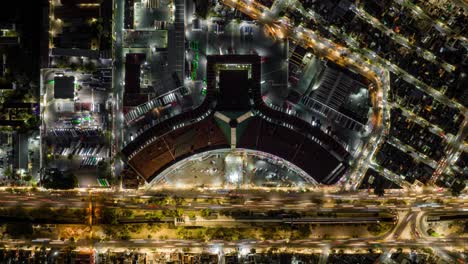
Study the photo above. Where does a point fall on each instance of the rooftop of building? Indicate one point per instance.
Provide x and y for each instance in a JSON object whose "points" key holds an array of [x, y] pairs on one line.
{"points": [[64, 87], [256, 126]]}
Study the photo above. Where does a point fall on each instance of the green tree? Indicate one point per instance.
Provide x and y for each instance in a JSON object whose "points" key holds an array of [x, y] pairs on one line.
{"points": [[8, 172], [179, 212], [375, 229], [302, 232], [179, 201], [158, 200], [109, 216], [55, 179], [191, 214], [125, 236], [89, 67], [128, 213], [205, 212], [27, 177], [202, 7], [74, 66]]}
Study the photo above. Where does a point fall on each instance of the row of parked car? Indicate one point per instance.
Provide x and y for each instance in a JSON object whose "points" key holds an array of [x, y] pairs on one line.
{"points": [[72, 132], [80, 150], [90, 161]]}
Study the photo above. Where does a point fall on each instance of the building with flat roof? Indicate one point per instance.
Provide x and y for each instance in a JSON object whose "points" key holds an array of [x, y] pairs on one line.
{"points": [[8, 34], [242, 122], [92, 54], [132, 96], [129, 16], [233, 87], [64, 87], [76, 24], [133, 63]]}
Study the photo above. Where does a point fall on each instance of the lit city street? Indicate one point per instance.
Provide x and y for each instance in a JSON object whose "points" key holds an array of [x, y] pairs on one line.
{"points": [[234, 131]]}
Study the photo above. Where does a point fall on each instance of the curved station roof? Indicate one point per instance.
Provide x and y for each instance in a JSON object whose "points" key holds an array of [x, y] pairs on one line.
{"points": [[234, 115]]}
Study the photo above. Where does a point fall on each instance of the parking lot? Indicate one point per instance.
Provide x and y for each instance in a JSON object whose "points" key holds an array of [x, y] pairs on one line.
{"points": [[76, 128], [222, 168], [146, 15], [236, 37]]}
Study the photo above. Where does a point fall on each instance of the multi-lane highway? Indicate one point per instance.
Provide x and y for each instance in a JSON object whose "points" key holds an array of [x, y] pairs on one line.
{"points": [[304, 245], [410, 213], [241, 199]]}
